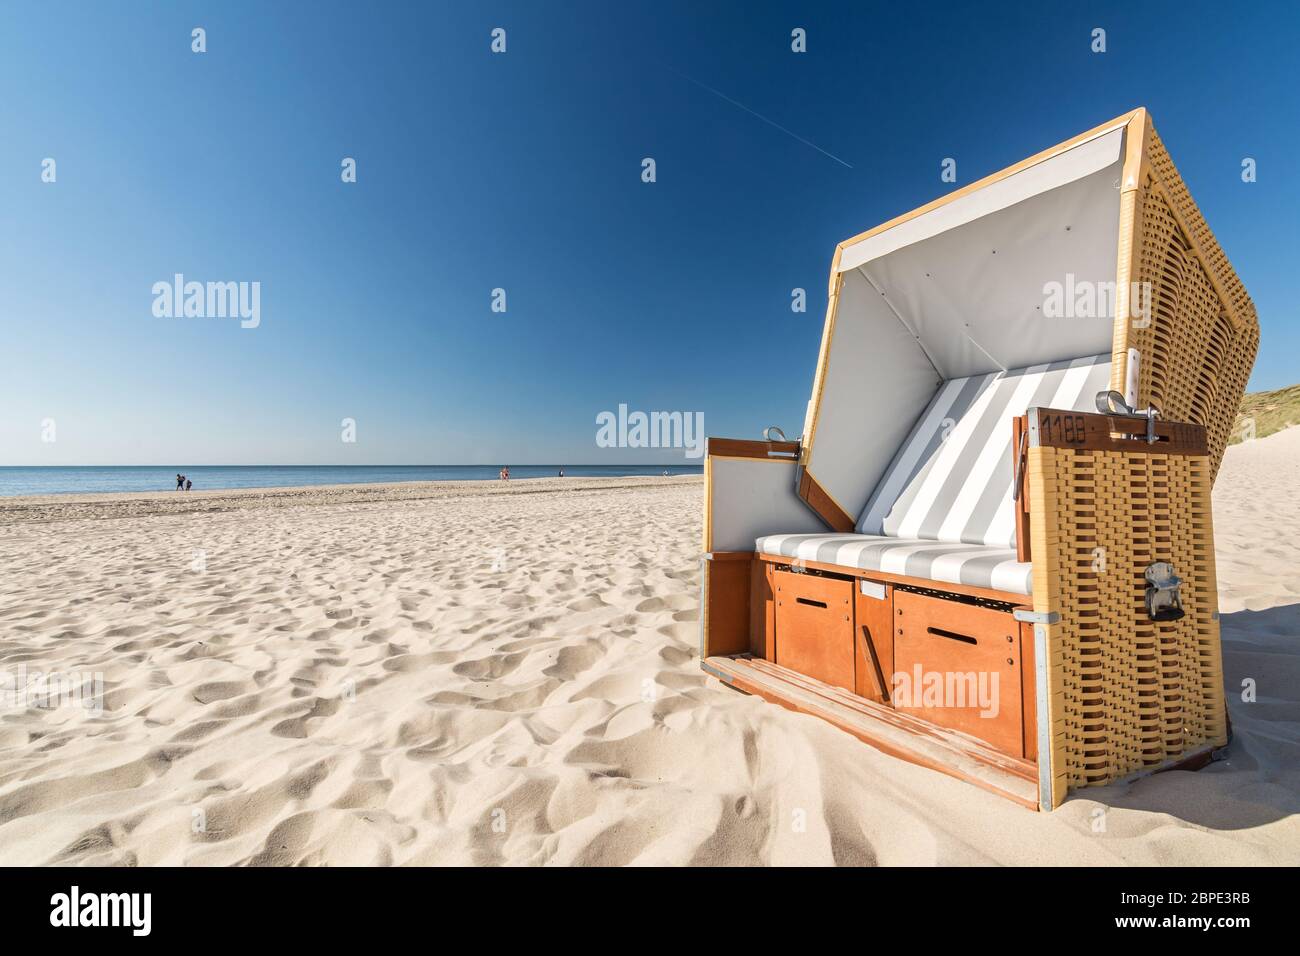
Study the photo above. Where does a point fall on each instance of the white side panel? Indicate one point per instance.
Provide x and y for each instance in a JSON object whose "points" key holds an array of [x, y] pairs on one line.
{"points": [[877, 382], [1082, 160], [751, 497]]}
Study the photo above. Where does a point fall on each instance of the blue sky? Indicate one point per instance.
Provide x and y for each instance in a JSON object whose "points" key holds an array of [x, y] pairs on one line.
{"points": [[523, 171]]}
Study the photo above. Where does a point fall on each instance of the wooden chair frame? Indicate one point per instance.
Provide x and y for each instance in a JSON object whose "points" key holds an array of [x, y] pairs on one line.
{"points": [[1106, 692]]}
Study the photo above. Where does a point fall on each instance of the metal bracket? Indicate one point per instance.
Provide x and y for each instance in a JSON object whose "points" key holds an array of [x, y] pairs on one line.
{"points": [[1162, 598], [1112, 403], [871, 589], [714, 672], [1025, 616], [774, 430]]}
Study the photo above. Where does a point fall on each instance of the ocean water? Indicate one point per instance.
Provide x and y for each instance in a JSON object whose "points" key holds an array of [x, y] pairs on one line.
{"points": [[15, 480]]}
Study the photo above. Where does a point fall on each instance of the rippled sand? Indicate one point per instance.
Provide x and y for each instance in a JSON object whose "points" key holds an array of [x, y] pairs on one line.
{"points": [[480, 673]]}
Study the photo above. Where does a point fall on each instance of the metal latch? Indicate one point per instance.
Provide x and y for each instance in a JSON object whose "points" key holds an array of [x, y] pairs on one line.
{"points": [[773, 433], [1112, 403], [1163, 600]]}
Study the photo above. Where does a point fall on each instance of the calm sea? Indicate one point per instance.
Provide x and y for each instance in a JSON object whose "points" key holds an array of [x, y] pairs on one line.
{"points": [[81, 480]]}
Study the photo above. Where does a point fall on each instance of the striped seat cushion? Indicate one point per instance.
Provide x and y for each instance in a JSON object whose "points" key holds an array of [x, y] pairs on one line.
{"points": [[975, 565], [951, 479]]}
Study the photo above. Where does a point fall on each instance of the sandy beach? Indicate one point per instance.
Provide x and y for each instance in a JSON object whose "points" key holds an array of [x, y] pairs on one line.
{"points": [[481, 673]]}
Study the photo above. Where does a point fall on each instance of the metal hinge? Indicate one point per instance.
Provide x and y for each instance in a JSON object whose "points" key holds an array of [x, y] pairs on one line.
{"points": [[1025, 616]]}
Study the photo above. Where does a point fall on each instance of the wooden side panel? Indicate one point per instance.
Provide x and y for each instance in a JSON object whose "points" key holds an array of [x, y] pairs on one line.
{"points": [[874, 644], [762, 612], [1089, 431], [725, 628], [814, 627], [746, 448], [959, 666], [822, 503], [1019, 463]]}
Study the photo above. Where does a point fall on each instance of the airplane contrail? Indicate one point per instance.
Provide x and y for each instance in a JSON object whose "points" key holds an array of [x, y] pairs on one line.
{"points": [[724, 96]]}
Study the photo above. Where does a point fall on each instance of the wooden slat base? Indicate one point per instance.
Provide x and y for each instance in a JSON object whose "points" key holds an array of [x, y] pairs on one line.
{"points": [[899, 735]]}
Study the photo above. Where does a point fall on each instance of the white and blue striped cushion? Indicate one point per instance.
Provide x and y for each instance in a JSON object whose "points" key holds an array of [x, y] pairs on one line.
{"points": [[951, 479], [943, 511], [975, 565]]}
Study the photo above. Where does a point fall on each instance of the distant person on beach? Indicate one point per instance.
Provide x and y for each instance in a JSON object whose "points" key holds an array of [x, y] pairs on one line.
{"points": [[180, 481], [561, 472], [188, 484], [505, 472]]}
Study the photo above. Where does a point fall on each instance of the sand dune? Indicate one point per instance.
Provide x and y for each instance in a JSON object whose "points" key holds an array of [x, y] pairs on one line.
{"points": [[476, 673]]}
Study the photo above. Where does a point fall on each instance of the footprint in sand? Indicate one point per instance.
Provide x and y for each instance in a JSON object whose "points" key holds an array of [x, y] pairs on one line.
{"points": [[586, 604], [675, 656], [675, 602], [488, 668], [572, 661], [219, 690], [297, 728], [286, 842]]}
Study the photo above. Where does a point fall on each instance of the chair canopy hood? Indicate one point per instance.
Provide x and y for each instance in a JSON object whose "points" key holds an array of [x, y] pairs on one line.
{"points": [[983, 280], [969, 280]]}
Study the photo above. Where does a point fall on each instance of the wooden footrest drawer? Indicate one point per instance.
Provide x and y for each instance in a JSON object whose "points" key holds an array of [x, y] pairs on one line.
{"points": [[814, 626], [959, 665]]}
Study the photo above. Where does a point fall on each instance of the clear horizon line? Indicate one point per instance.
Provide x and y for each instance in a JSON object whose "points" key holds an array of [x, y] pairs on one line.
{"points": [[488, 464]]}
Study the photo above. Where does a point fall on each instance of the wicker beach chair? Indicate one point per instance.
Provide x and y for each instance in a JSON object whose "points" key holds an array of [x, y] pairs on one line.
{"points": [[991, 552]]}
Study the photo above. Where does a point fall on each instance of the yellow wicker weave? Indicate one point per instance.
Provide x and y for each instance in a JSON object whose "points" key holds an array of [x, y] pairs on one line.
{"points": [[1199, 342], [1126, 694]]}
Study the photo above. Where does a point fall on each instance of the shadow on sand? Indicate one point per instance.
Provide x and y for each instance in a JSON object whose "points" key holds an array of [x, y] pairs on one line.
{"points": [[1258, 780]]}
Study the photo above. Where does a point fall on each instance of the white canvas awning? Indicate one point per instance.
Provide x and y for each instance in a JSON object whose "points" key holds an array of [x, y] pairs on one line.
{"points": [[964, 287], [1101, 151]]}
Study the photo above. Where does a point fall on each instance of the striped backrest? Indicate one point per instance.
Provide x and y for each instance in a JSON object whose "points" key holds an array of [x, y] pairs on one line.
{"points": [[951, 479]]}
